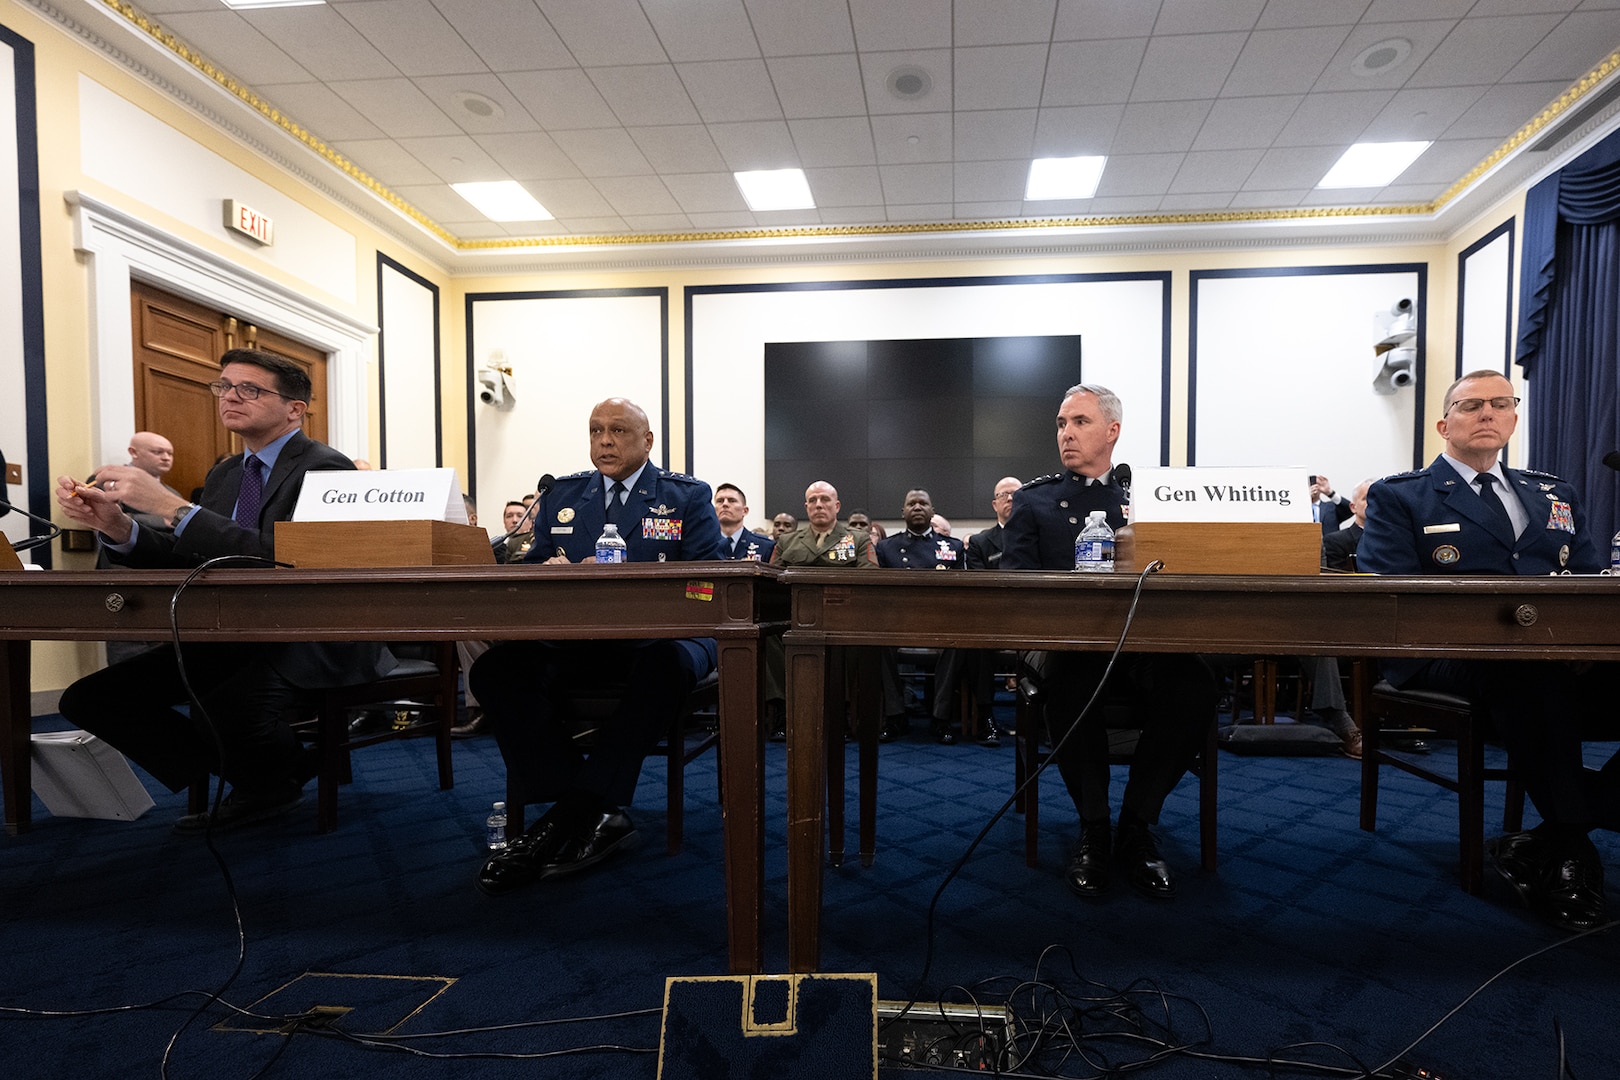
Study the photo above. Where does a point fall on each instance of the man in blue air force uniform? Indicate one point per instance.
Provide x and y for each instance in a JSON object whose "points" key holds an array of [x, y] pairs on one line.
{"points": [[737, 541], [919, 547], [1173, 696], [524, 685], [1467, 513]]}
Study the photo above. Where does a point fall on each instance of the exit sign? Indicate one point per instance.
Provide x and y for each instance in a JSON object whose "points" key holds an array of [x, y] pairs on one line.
{"points": [[240, 218]]}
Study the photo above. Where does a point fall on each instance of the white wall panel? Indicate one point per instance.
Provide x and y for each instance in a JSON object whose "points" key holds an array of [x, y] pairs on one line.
{"points": [[1486, 307], [13, 396], [410, 389]]}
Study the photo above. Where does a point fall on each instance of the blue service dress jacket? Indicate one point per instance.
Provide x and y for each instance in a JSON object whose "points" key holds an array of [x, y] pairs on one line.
{"points": [[670, 518], [1049, 512], [930, 551], [751, 546]]}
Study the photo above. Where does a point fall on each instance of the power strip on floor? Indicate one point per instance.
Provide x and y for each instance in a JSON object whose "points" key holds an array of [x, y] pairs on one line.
{"points": [[936, 1035]]}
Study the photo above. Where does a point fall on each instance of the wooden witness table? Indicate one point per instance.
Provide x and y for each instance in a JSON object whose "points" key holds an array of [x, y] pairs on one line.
{"points": [[732, 602], [1569, 618]]}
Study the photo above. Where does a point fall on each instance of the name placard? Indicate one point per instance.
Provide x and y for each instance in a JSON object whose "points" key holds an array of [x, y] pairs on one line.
{"points": [[1222, 493], [381, 495]]}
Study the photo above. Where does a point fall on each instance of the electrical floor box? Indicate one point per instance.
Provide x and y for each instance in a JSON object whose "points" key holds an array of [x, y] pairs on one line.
{"points": [[933, 1035]]}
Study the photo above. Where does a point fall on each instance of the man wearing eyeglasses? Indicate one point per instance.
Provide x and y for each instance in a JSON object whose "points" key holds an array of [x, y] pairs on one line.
{"points": [[1467, 513], [248, 690]]}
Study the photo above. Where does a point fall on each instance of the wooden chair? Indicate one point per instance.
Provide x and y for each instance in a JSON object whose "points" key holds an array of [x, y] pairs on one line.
{"points": [[1447, 716], [1121, 742]]}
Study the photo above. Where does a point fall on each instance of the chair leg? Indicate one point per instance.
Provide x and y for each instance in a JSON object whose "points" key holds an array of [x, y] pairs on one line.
{"points": [[1208, 789], [331, 733], [448, 670], [834, 724], [1471, 806], [869, 709], [1029, 753], [675, 761]]}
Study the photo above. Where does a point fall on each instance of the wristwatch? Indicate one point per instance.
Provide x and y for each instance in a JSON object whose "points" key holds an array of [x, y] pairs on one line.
{"points": [[179, 514]]}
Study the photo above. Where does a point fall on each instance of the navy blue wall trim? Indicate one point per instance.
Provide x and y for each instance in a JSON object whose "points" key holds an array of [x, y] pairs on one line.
{"points": [[1507, 228], [560, 294], [31, 288], [1161, 276], [1422, 300], [382, 366]]}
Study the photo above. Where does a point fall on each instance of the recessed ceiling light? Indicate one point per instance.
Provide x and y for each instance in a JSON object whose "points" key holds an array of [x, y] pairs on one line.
{"points": [[1379, 57], [478, 105], [503, 200], [247, 5], [1372, 164], [1064, 177], [775, 189], [908, 82]]}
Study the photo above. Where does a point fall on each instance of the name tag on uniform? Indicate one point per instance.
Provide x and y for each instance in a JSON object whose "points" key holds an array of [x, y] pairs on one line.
{"points": [[561, 529], [1452, 527]]}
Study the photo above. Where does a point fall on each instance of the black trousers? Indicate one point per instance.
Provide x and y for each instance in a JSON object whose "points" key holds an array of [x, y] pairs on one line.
{"points": [[529, 691], [132, 706], [1172, 699], [1543, 710]]}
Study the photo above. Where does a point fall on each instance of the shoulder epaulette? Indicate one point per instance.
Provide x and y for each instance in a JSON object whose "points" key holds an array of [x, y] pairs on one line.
{"points": [[1047, 479], [1539, 475], [1412, 475], [682, 477], [578, 475]]}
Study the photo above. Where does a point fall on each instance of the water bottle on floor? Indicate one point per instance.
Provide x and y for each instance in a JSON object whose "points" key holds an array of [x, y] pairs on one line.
{"points": [[495, 828]]}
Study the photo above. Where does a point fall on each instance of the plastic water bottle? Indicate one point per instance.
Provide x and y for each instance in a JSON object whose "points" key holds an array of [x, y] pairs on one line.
{"points": [[1614, 554], [1094, 547], [610, 545], [495, 828]]}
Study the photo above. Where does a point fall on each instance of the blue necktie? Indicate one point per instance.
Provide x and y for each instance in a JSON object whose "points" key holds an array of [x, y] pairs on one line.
{"points": [[251, 496], [1493, 501]]}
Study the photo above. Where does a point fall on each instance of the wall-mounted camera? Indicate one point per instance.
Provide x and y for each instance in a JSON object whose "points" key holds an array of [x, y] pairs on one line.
{"points": [[1397, 331], [496, 386]]}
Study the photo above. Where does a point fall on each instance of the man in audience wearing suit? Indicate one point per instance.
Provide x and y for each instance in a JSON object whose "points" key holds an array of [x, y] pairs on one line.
{"points": [[984, 548], [1467, 513], [1173, 696], [248, 691], [524, 685], [920, 547], [1339, 546], [736, 540]]}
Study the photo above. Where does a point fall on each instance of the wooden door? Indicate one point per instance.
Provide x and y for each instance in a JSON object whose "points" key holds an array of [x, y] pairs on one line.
{"points": [[177, 346]]}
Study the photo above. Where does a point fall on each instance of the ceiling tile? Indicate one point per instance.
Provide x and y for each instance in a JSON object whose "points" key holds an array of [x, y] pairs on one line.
{"points": [[1338, 118], [560, 99], [845, 187], [909, 140], [318, 108], [1424, 38], [852, 215], [1215, 170], [911, 184], [787, 219], [1520, 7], [727, 221], [637, 195], [443, 90], [1076, 130], [236, 45], [397, 107], [1203, 17], [875, 70], [571, 199], [681, 148], [1502, 110], [1340, 197], [645, 94], [1397, 10], [1187, 66], [1192, 204], [604, 32], [456, 158], [1477, 52], [528, 155], [991, 136], [988, 211], [984, 181], [387, 162], [756, 144], [833, 142], [656, 223], [818, 85], [1092, 72], [413, 35], [1578, 44], [1285, 13], [1412, 193], [605, 225], [1139, 174], [601, 152], [509, 35], [728, 90], [495, 230], [1293, 167], [322, 42], [919, 212], [706, 193], [1122, 204], [1245, 123], [1049, 209], [439, 203], [1250, 200], [1283, 61], [996, 22], [795, 28], [1159, 126], [1421, 114], [1445, 161], [901, 24], [999, 76], [703, 29], [1094, 20]]}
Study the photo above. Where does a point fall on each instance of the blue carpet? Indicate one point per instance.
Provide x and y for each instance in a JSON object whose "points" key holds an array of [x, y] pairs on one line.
{"points": [[1311, 930]]}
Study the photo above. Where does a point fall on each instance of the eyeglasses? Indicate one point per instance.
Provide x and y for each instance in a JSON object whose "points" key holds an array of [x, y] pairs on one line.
{"points": [[245, 390], [1474, 404], [1001, 495]]}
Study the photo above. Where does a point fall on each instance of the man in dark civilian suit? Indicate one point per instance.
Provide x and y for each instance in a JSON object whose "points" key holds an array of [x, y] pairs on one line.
{"points": [[1174, 695], [248, 691], [524, 685], [1339, 546], [984, 548], [1467, 513], [736, 540]]}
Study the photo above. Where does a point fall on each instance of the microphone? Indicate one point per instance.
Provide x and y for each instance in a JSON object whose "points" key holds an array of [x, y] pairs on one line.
{"points": [[1122, 476], [1612, 459], [541, 486]]}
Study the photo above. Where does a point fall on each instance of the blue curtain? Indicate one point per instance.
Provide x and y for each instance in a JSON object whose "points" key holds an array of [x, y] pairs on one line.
{"points": [[1569, 326]]}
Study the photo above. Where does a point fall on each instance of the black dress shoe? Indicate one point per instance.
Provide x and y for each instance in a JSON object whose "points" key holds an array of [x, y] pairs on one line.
{"points": [[894, 727], [945, 734], [1087, 871], [477, 724], [604, 834], [1572, 893], [989, 733], [1145, 868], [1522, 859], [524, 859], [241, 808], [775, 716]]}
